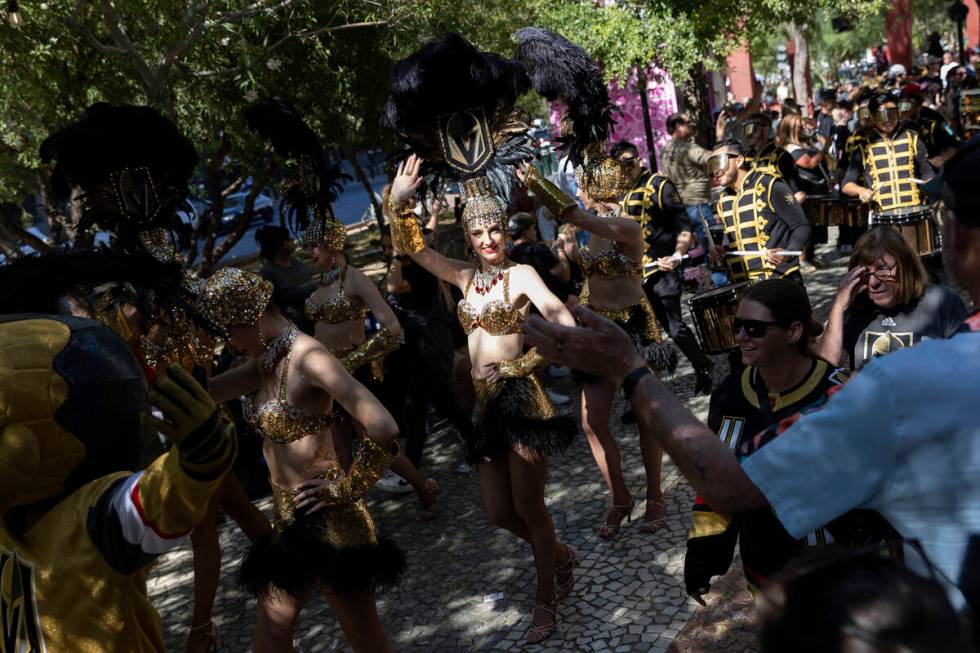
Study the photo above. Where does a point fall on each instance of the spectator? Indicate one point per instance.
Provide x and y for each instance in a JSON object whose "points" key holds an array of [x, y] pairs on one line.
{"points": [[885, 303], [686, 165], [551, 264]]}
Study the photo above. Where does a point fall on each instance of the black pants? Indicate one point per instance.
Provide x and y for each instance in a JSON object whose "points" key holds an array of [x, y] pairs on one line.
{"points": [[667, 308], [419, 375]]}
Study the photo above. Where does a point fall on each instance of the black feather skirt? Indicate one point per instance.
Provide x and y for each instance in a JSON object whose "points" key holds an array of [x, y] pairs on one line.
{"points": [[640, 323], [335, 549], [517, 414]]}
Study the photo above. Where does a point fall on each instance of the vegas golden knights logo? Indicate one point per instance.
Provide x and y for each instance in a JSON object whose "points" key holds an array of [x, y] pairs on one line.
{"points": [[465, 140], [18, 610]]}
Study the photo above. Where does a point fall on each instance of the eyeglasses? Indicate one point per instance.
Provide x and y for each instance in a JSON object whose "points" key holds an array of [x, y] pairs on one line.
{"points": [[886, 273], [719, 162], [754, 328], [628, 161]]}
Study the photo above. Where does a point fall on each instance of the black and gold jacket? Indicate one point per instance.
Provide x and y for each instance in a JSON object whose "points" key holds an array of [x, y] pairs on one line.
{"points": [[774, 160], [935, 132], [655, 204], [740, 408], [889, 165], [762, 214]]}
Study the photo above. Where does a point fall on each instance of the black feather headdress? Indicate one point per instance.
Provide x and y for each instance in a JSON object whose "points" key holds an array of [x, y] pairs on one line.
{"points": [[314, 185], [453, 105], [130, 164], [561, 70]]}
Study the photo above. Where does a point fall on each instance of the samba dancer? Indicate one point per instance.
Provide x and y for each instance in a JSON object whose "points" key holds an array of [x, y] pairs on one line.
{"points": [[761, 218], [338, 307], [323, 538], [520, 427]]}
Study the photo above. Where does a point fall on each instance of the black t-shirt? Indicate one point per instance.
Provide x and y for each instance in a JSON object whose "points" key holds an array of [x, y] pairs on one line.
{"points": [[425, 288], [871, 332]]}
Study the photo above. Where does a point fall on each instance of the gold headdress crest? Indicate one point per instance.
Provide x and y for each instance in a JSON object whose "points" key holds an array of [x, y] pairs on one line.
{"points": [[233, 297], [603, 177]]}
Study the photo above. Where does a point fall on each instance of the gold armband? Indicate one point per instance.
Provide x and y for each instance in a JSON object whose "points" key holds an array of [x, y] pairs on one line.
{"points": [[550, 195], [406, 232], [369, 465], [379, 344], [523, 366]]}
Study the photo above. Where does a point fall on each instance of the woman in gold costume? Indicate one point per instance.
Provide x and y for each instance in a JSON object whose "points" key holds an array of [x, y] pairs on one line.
{"points": [[323, 537], [337, 308], [520, 426]]}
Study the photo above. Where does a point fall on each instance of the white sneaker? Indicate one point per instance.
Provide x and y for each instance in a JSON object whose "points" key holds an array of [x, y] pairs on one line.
{"points": [[556, 398], [558, 372], [394, 484]]}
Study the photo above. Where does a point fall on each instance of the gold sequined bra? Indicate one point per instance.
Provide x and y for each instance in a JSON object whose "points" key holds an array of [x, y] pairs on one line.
{"points": [[498, 318], [337, 309], [280, 421], [609, 263]]}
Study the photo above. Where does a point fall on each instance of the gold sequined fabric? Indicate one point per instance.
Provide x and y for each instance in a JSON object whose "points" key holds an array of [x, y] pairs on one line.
{"points": [[406, 232], [327, 232], [369, 465], [343, 526], [497, 317], [531, 396], [550, 195], [602, 176], [609, 263], [626, 317], [337, 309], [233, 297]]}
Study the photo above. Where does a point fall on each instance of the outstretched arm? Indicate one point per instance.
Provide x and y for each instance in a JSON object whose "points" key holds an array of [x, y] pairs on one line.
{"points": [[406, 232], [369, 294]]}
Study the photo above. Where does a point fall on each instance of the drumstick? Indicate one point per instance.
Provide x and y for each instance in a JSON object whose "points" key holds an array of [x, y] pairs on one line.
{"points": [[655, 264], [762, 252]]}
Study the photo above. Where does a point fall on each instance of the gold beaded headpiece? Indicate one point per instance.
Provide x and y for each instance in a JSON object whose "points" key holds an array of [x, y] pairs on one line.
{"points": [[326, 231], [233, 297], [482, 208], [603, 177]]}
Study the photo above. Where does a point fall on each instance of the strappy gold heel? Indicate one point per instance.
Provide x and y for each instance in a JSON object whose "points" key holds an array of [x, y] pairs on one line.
{"points": [[649, 526], [563, 590], [210, 634], [609, 531], [538, 634]]}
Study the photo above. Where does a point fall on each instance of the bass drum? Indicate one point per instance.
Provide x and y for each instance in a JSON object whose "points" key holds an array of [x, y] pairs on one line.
{"points": [[712, 313]]}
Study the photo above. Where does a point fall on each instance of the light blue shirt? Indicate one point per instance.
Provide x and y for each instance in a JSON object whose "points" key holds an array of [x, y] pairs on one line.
{"points": [[903, 438]]}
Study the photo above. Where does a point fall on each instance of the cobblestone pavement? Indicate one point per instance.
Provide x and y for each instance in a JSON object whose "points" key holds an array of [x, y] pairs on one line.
{"points": [[470, 587]]}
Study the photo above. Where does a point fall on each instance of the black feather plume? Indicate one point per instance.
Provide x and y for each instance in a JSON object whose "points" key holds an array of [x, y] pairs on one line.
{"points": [[315, 185], [561, 70], [105, 142], [450, 75]]}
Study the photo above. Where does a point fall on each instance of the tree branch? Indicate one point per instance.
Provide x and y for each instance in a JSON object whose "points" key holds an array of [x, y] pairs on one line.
{"points": [[111, 19], [323, 30], [235, 17]]}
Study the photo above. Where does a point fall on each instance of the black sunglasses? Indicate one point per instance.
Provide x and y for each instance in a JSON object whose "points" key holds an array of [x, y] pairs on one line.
{"points": [[754, 328]]}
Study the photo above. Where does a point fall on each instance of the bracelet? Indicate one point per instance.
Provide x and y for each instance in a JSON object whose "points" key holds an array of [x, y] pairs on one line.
{"points": [[631, 379]]}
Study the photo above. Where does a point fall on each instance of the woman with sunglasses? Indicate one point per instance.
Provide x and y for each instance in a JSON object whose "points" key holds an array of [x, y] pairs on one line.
{"points": [[886, 303], [890, 163], [774, 329]]}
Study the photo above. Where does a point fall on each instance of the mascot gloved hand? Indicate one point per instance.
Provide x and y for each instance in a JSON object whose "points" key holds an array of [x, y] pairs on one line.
{"points": [[80, 531]]}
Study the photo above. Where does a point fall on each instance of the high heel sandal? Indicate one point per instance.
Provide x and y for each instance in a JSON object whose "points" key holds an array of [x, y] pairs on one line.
{"points": [[609, 531], [653, 525], [563, 590], [430, 512], [541, 632], [210, 632]]}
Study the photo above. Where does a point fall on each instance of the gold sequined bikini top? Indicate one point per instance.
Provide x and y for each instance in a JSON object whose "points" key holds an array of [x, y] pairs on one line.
{"points": [[337, 309], [609, 263], [498, 318], [280, 421]]}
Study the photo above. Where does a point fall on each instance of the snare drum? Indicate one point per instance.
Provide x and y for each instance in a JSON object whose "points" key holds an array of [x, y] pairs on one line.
{"points": [[916, 226], [819, 210], [712, 312]]}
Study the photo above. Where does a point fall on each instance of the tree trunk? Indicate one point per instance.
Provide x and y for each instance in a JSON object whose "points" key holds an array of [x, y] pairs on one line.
{"points": [[244, 222], [801, 64], [698, 109], [56, 216], [366, 182]]}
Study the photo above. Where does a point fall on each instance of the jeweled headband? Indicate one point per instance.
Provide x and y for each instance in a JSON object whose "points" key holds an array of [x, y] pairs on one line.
{"points": [[602, 176], [233, 297], [482, 209], [329, 232]]}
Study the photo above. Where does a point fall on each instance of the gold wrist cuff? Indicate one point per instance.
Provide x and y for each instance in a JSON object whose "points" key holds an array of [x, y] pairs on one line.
{"points": [[379, 344], [406, 232], [550, 195], [370, 464], [523, 366]]}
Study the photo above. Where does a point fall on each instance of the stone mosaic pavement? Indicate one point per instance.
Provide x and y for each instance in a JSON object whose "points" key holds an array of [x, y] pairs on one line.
{"points": [[469, 587]]}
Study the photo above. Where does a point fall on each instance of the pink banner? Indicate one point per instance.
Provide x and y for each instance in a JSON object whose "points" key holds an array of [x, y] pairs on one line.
{"points": [[661, 100]]}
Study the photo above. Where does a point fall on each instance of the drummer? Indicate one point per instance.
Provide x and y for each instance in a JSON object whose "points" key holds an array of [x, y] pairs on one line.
{"points": [[885, 303], [932, 127], [761, 218], [849, 233], [763, 155], [890, 163]]}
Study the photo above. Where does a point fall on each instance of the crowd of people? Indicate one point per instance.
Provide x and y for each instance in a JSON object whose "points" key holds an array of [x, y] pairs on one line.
{"points": [[810, 438]]}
